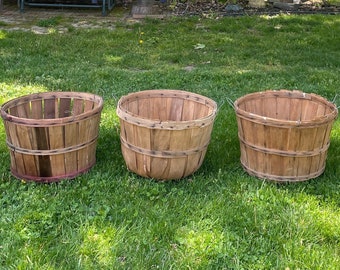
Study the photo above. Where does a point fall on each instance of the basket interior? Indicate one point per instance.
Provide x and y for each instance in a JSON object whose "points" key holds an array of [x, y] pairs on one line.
{"points": [[285, 108], [50, 108], [168, 108]]}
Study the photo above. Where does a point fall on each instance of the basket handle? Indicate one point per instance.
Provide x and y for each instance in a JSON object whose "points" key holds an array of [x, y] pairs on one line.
{"points": [[223, 101], [115, 99], [230, 102]]}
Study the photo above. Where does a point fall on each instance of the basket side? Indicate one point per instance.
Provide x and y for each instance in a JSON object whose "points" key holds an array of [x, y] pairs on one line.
{"points": [[169, 149], [289, 151], [53, 149]]}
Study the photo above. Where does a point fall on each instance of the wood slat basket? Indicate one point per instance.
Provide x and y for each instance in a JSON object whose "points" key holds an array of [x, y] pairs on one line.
{"points": [[52, 135], [165, 133], [284, 135]]}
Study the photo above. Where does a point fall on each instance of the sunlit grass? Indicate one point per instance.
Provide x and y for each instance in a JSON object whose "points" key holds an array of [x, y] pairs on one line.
{"points": [[10, 91]]}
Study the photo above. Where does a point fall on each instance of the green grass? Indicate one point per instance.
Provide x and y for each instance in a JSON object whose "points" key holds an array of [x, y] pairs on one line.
{"points": [[218, 218], [50, 22]]}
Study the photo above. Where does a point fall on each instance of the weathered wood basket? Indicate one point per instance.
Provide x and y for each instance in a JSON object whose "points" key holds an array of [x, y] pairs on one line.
{"points": [[165, 133], [52, 135], [284, 135]]}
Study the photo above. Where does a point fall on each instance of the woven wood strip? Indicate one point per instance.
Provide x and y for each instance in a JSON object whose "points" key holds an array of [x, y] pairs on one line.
{"points": [[164, 154], [285, 153], [284, 179], [57, 151]]}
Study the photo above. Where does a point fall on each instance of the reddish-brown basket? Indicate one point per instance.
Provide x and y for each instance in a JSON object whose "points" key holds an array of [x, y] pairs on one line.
{"points": [[52, 135], [165, 133], [284, 135]]}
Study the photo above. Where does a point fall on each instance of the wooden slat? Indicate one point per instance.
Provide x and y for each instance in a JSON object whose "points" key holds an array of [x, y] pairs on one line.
{"points": [[271, 107], [71, 139], [24, 110], [82, 156], [197, 138], [49, 108], [78, 106], [176, 109], [132, 107], [64, 107], [13, 138], [29, 162], [188, 110], [160, 141], [283, 108], [56, 139], [42, 135], [293, 141], [92, 153], [144, 108], [141, 138], [88, 105], [37, 109], [126, 132], [159, 110], [179, 141], [311, 111], [295, 112], [13, 111], [321, 110], [200, 111]]}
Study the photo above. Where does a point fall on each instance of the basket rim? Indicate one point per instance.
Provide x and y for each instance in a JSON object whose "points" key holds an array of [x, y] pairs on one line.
{"points": [[292, 94], [126, 115], [52, 95]]}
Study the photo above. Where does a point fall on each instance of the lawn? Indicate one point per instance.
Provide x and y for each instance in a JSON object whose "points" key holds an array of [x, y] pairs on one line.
{"points": [[217, 218]]}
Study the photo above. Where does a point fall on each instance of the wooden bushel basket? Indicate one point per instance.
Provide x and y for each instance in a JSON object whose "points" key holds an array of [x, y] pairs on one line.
{"points": [[52, 135], [284, 135], [165, 133]]}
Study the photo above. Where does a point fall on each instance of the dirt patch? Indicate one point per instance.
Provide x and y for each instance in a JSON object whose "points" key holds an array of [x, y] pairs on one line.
{"points": [[41, 20], [243, 8]]}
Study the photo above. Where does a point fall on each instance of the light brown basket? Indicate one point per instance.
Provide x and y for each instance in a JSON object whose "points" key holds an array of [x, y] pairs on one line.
{"points": [[165, 133], [52, 135], [284, 135]]}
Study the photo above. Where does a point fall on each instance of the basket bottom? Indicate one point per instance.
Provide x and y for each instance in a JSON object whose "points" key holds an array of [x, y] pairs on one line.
{"points": [[174, 166], [282, 178], [51, 179]]}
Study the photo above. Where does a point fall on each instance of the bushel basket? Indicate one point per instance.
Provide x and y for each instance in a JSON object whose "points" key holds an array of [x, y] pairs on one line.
{"points": [[284, 135], [52, 135], [165, 133]]}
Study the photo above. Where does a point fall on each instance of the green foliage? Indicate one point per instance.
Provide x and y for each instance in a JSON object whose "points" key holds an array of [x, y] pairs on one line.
{"points": [[218, 218]]}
